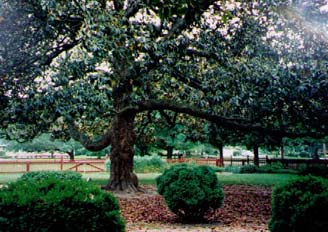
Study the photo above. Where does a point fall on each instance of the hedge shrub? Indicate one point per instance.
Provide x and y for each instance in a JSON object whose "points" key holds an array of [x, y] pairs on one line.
{"points": [[300, 206], [190, 191], [313, 169], [250, 168], [58, 205], [40, 175]]}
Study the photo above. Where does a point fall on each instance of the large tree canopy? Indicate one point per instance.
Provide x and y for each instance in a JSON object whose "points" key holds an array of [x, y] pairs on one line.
{"points": [[91, 69]]}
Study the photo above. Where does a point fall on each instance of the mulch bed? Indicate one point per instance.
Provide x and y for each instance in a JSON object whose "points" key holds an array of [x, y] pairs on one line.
{"points": [[244, 206]]}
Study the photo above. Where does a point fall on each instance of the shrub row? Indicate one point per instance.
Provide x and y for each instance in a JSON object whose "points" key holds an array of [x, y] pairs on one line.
{"points": [[268, 168], [303, 169], [145, 164], [41, 175]]}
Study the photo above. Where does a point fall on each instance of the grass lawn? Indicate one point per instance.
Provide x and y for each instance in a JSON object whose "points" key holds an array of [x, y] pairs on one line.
{"points": [[255, 179], [149, 178]]}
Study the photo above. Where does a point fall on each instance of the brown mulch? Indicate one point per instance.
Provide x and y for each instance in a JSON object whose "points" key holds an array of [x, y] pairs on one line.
{"points": [[245, 208]]}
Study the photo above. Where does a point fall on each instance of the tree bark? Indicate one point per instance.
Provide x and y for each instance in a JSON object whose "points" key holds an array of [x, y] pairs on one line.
{"points": [[71, 154], [256, 155], [123, 139], [220, 146], [169, 150], [282, 151]]}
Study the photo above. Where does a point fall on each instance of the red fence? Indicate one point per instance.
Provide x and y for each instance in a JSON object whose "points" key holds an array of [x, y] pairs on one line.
{"points": [[20, 166]]}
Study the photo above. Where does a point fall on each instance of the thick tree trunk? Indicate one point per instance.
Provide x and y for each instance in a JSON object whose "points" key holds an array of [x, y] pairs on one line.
{"points": [[256, 155], [123, 139]]}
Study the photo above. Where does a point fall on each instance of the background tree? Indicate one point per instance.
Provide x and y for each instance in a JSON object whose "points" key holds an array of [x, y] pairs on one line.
{"points": [[86, 69]]}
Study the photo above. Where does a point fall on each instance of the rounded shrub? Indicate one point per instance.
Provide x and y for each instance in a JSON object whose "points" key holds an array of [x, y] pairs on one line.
{"points": [[58, 205], [190, 191], [300, 206]]}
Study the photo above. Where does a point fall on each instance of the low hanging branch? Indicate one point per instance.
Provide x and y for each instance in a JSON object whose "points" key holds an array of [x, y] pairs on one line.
{"points": [[92, 144], [228, 123]]}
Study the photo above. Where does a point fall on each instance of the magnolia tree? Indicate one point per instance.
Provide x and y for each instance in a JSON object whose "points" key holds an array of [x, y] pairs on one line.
{"points": [[93, 69]]}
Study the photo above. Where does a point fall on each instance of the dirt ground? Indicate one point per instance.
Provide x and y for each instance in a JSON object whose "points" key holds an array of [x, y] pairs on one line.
{"points": [[245, 209], [141, 227]]}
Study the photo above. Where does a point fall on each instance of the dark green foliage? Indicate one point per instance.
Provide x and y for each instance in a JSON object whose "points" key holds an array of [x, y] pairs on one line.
{"points": [[149, 164], [248, 169], [268, 168], [233, 169], [58, 205], [314, 169], [274, 168], [304, 154], [40, 175], [190, 191], [236, 153], [300, 206]]}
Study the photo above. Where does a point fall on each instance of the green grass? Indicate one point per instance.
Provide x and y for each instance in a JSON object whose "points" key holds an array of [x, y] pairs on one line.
{"points": [[255, 179], [149, 178]]}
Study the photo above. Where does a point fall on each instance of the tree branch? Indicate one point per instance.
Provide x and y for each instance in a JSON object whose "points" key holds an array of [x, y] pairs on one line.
{"points": [[192, 15], [118, 4], [92, 144], [224, 122], [133, 7]]}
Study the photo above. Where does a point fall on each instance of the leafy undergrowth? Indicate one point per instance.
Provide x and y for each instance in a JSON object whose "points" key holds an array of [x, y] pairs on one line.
{"points": [[244, 207]]}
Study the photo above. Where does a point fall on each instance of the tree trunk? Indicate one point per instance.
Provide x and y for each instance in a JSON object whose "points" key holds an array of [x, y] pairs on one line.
{"points": [[71, 154], [220, 146], [256, 155], [123, 139], [169, 150], [282, 151]]}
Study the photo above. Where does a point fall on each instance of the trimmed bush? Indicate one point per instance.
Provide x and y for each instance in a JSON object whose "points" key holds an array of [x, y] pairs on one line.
{"points": [[40, 175], [300, 206], [190, 191], [313, 169], [275, 168], [58, 205], [250, 168]]}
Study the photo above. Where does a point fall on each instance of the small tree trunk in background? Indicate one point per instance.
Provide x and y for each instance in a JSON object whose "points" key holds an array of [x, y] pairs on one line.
{"points": [[123, 139], [256, 155], [282, 151], [169, 152], [324, 149], [71, 154], [220, 146]]}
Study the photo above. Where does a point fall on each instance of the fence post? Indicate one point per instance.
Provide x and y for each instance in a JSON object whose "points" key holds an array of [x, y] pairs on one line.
{"points": [[28, 163], [231, 161], [248, 159]]}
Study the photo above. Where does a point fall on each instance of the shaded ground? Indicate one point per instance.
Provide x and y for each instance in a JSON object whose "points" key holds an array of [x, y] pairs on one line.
{"points": [[246, 208]]}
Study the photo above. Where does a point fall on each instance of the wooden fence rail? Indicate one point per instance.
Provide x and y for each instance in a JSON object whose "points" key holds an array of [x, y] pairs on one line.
{"points": [[21, 166]]}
